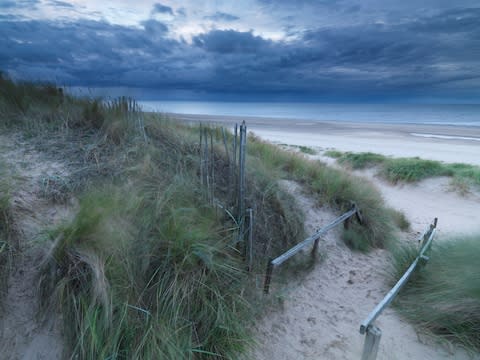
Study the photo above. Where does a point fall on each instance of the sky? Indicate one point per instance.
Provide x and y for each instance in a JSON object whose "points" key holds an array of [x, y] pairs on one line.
{"points": [[320, 50]]}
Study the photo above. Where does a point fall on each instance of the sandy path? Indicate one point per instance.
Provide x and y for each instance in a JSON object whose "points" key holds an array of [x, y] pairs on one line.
{"points": [[321, 314], [23, 334]]}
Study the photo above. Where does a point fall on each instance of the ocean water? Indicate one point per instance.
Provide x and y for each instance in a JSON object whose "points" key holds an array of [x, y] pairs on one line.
{"points": [[383, 113]]}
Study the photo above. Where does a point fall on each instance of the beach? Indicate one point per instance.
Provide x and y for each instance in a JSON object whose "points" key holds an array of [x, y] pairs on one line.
{"points": [[440, 142]]}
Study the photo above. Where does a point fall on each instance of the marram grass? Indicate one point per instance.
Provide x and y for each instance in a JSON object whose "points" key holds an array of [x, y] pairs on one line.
{"points": [[411, 169]]}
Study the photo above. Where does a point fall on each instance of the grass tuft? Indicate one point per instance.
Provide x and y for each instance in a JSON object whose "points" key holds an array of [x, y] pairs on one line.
{"points": [[307, 150], [414, 169], [361, 160], [411, 169]]}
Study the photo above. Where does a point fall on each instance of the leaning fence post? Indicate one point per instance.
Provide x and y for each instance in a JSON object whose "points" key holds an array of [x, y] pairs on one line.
{"points": [[372, 340], [315, 247], [358, 214], [268, 276]]}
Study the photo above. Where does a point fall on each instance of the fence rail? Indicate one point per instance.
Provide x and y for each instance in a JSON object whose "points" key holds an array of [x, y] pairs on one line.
{"points": [[373, 333], [273, 263]]}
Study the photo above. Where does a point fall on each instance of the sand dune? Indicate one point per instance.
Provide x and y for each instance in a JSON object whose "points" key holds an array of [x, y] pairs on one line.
{"points": [[321, 313]]}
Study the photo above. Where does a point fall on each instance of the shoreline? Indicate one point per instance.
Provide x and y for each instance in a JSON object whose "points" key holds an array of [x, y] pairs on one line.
{"points": [[447, 143]]}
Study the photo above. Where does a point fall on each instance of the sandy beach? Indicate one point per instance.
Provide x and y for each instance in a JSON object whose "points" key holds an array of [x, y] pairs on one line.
{"points": [[320, 315], [436, 142]]}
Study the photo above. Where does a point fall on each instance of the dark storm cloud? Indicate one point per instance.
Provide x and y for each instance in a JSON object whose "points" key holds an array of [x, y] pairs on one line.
{"points": [[432, 52], [85, 52], [221, 16], [452, 21], [162, 9], [230, 41], [11, 4]]}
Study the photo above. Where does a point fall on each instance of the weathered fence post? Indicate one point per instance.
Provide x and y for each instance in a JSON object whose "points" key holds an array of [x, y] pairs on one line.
{"points": [[241, 182], [201, 156], [315, 247], [268, 276], [250, 240], [372, 341], [212, 167]]}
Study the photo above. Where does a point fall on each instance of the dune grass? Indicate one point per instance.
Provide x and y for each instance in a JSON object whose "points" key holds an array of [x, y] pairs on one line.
{"points": [[6, 228], [443, 297], [154, 265], [411, 169], [149, 272]]}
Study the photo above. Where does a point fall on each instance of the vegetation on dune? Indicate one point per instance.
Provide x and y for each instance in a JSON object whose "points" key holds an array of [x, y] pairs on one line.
{"points": [[411, 169], [444, 295]]}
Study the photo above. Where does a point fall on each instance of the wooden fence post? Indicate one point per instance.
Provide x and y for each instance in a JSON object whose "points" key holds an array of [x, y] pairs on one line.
{"points": [[372, 341], [250, 240], [268, 276]]}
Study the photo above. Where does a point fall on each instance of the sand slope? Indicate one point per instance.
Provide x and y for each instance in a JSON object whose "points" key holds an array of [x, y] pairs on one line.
{"points": [[321, 315], [25, 335]]}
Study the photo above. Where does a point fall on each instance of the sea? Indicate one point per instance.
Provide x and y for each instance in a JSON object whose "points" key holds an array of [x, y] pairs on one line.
{"points": [[441, 114]]}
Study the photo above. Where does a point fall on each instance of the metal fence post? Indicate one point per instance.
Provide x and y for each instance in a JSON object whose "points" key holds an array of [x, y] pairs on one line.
{"points": [[372, 340]]}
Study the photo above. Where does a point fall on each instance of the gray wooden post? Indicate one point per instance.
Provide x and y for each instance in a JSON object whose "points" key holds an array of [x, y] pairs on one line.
{"points": [[315, 247], [268, 277], [241, 183], [372, 340], [212, 167], [250, 240], [201, 156]]}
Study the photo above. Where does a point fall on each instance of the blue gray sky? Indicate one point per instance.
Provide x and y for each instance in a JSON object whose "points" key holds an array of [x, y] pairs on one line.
{"points": [[345, 50]]}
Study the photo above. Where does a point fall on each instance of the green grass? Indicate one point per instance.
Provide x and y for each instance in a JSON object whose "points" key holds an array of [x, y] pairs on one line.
{"points": [[307, 150], [411, 169], [361, 160], [443, 297]]}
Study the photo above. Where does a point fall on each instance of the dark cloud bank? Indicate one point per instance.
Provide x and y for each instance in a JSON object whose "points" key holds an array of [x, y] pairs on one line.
{"points": [[430, 56]]}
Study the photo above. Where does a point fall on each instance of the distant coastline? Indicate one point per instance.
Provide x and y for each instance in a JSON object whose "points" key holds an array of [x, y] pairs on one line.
{"points": [[442, 142], [424, 114]]}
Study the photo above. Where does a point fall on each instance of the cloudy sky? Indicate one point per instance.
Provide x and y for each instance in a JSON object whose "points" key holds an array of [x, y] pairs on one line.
{"points": [[379, 50]]}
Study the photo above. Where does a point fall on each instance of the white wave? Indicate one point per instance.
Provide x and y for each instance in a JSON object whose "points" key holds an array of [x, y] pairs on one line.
{"points": [[447, 137]]}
